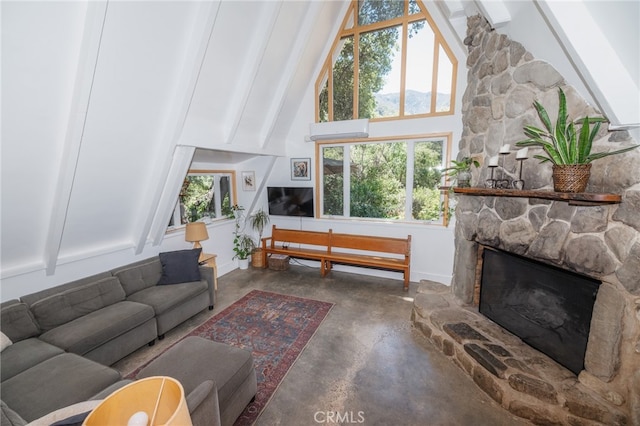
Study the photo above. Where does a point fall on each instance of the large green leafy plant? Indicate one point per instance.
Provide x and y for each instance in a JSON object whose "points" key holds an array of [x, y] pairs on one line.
{"points": [[565, 144]]}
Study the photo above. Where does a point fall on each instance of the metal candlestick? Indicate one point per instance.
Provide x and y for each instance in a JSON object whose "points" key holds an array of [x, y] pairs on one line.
{"points": [[491, 182], [504, 182], [519, 184]]}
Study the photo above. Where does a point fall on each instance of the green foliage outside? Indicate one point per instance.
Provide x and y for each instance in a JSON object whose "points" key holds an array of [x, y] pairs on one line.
{"points": [[378, 180], [377, 171]]}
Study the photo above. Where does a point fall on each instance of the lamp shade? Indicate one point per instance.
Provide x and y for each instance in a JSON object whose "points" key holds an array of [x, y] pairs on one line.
{"points": [[196, 231], [160, 399]]}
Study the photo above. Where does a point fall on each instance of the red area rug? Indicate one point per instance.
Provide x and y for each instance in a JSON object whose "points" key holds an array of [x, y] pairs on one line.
{"points": [[275, 328]]}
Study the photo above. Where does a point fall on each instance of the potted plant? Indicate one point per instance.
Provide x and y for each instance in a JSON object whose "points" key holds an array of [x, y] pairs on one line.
{"points": [[242, 246], [460, 171], [567, 147], [258, 221]]}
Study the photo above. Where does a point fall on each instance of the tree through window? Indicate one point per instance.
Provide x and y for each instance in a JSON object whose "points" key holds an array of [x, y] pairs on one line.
{"points": [[389, 61]]}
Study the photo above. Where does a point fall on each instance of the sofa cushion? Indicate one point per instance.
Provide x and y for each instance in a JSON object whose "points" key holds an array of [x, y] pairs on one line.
{"points": [[10, 417], [181, 266], [25, 354], [61, 308], [69, 379], [165, 297], [90, 331], [140, 275], [17, 322], [5, 342]]}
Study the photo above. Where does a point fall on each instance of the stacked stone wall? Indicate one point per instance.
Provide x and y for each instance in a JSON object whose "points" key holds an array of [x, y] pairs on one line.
{"points": [[599, 241]]}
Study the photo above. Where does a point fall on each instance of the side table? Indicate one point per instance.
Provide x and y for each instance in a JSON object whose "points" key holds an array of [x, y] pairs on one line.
{"points": [[210, 260]]}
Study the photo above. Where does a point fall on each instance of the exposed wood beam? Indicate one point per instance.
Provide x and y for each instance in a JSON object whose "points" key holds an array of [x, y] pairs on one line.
{"points": [[254, 57], [153, 211], [85, 73]]}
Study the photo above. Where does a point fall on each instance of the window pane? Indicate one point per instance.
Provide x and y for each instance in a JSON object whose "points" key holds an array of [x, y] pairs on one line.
{"points": [[197, 198], [343, 82], [445, 74], [413, 7], [225, 196], [372, 11], [378, 180], [419, 73], [428, 157], [333, 180], [380, 63], [323, 99]]}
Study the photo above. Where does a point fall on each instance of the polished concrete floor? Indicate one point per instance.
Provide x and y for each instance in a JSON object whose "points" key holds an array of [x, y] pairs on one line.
{"points": [[365, 365]]}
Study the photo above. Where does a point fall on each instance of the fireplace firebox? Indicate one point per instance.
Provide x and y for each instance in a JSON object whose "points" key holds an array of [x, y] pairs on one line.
{"points": [[547, 307]]}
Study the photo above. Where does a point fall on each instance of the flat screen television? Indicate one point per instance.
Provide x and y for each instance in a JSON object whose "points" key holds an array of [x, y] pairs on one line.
{"points": [[290, 201]]}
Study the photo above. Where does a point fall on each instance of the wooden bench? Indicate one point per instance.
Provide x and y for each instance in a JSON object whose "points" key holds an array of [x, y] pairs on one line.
{"points": [[349, 249]]}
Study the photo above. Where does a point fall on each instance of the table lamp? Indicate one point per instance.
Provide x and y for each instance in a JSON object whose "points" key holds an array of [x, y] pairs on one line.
{"points": [[196, 232], [153, 401]]}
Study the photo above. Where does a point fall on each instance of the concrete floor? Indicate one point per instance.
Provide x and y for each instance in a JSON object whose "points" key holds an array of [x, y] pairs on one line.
{"points": [[365, 365]]}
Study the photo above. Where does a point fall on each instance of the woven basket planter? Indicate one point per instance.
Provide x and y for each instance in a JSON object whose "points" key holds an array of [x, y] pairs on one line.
{"points": [[571, 177], [256, 258]]}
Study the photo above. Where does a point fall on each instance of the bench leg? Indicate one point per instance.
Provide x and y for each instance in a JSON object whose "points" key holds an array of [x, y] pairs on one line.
{"points": [[406, 281]]}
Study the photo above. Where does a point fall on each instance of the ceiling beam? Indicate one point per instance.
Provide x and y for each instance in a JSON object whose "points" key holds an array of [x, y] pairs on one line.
{"points": [[289, 70], [254, 57], [153, 211], [87, 63]]}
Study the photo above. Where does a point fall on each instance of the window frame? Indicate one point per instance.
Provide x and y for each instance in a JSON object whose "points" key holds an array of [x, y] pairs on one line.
{"points": [[176, 214], [351, 28], [446, 159]]}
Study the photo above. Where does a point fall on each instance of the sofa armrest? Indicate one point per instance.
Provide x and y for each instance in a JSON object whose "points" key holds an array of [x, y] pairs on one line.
{"points": [[203, 404], [206, 273]]}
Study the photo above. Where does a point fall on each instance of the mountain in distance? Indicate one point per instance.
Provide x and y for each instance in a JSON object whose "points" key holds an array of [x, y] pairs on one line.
{"points": [[388, 104]]}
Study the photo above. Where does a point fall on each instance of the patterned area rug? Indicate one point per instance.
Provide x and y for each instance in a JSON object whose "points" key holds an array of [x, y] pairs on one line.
{"points": [[275, 328]]}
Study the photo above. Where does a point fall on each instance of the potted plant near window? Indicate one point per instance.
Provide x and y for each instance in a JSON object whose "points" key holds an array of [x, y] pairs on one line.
{"points": [[242, 243], [460, 171], [566, 147], [258, 221]]}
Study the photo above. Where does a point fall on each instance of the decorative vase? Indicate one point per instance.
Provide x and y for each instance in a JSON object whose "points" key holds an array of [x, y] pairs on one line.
{"points": [[571, 177], [464, 179], [243, 263]]}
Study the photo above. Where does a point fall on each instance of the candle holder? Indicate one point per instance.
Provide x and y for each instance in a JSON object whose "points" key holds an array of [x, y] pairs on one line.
{"points": [[491, 182], [503, 183], [519, 184]]}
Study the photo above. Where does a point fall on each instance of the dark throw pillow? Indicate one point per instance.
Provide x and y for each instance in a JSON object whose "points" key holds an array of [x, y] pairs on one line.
{"points": [[180, 266]]}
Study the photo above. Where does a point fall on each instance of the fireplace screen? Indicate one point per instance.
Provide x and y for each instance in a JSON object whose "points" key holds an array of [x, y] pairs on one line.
{"points": [[547, 307]]}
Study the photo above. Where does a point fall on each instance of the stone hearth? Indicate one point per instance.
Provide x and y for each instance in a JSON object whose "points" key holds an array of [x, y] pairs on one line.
{"points": [[599, 241], [526, 382]]}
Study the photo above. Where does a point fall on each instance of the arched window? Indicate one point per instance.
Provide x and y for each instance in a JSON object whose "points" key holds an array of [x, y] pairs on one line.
{"points": [[389, 61]]}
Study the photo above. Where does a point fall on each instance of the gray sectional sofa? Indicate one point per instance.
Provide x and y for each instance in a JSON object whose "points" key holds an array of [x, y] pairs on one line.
{"points": [[64, 338]]}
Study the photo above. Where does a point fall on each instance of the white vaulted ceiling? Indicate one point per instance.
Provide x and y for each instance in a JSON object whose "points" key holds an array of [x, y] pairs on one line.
{"points": [[105, 103]]}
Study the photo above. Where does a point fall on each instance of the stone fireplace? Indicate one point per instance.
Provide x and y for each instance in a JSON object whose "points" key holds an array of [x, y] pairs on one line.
{"points": [[599, 241]]}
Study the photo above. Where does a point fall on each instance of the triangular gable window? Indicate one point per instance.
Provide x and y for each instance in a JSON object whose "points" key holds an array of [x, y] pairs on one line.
{"points": [[386, 64]]}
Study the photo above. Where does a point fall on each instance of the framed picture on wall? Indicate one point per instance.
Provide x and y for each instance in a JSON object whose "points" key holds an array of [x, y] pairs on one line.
{"points": [[248, 181], [300, 169]]}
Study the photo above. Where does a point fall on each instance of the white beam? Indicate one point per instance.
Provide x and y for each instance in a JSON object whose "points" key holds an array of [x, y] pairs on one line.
{"points": [[289, 70], [495, 11], [87, 63], [153, 211], [595, 61], [255, 55]]}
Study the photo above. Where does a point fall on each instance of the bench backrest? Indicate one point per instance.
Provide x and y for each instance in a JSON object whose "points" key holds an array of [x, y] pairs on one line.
{"points": [[299, 237], [364, 242]]}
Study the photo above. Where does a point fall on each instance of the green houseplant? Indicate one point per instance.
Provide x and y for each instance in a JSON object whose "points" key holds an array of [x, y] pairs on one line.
{"points": [[243, 244], [460, 171], [567, 147], [258, 221]]}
